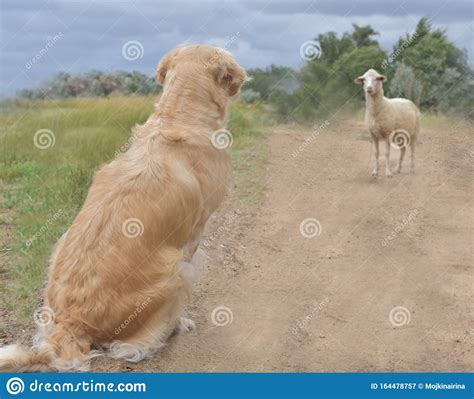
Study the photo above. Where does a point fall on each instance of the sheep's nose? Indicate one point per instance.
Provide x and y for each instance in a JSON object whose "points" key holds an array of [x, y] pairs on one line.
{"points": [[369, 89]]}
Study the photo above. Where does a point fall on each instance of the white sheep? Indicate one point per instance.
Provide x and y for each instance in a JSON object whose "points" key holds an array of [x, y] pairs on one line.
{"points": [[395, 120]]}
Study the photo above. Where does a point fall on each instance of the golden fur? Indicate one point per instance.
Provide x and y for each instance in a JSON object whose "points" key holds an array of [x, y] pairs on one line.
{"points": [[168, 183]]}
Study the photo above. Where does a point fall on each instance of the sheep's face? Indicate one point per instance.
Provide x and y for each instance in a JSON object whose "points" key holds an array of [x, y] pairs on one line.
{"points": [[372, 81]]}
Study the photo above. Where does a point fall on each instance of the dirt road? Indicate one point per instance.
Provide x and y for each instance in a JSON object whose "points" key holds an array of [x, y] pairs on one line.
{"points": [[386, 285]]}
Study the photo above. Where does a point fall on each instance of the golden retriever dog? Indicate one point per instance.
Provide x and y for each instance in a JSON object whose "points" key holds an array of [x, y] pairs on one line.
{"points": [[120, 277]]}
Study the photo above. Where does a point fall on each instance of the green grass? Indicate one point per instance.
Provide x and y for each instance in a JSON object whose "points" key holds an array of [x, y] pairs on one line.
{"points": [[45, 188], [246, 123], [436, 120]]}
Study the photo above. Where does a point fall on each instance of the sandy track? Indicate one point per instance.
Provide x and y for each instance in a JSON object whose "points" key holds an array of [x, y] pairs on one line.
{"points": [[323, 303]]}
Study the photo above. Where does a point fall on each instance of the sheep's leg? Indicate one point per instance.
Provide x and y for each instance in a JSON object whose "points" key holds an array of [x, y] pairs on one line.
{"points": [[412, 152], [402, 155], [375, 172], [388, 172]]}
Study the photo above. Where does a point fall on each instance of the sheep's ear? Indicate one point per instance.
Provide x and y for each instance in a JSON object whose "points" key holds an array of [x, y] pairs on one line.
{"points": [[382, 78], [359, 80]]}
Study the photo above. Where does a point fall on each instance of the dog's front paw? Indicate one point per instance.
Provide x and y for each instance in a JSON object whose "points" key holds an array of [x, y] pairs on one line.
{"points": [[184, 324], [200, 258]]}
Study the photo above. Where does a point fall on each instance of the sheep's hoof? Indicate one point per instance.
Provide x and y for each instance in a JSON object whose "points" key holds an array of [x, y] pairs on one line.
{"points": [[388, 173], [375, 173]]}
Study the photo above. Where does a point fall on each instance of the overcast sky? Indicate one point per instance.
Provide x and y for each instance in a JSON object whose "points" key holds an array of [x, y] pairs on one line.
{"points": [[40, 38]]}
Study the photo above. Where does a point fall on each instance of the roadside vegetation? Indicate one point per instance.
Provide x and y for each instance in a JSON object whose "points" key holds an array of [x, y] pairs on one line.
{"points": [[423, 66]]}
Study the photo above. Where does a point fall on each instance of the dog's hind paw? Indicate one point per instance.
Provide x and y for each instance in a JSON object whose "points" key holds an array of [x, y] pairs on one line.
{"points": [[184, 324]]}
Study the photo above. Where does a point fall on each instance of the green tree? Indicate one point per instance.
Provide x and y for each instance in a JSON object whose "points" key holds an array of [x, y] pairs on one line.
{"points": [[362, 36], [273, 78], [358, 61], [405, 84], [438, 65], [326, 83], [333, 47]]}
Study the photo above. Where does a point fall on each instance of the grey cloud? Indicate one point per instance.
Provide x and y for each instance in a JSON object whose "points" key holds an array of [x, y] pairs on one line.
{"points": [[269, 31], [444, 10]]}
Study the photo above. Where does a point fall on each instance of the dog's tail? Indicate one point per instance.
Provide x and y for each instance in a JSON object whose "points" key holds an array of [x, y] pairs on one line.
{"points": [[14, 358], [60, 351]]}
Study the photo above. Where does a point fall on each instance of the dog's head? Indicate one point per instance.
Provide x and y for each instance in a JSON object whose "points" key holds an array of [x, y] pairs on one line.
{"points": [[201, 63]]}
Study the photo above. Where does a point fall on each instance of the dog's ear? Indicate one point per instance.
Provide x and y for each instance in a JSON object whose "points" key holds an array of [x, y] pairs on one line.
{"points": [[228, 74], [163, 67]]}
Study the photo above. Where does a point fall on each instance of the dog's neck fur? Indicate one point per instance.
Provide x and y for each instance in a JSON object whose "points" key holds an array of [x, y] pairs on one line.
{"points": [[184, 110]]}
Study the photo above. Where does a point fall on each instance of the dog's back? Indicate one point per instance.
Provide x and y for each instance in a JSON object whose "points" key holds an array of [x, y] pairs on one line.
{"points": [[116, 279]]}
